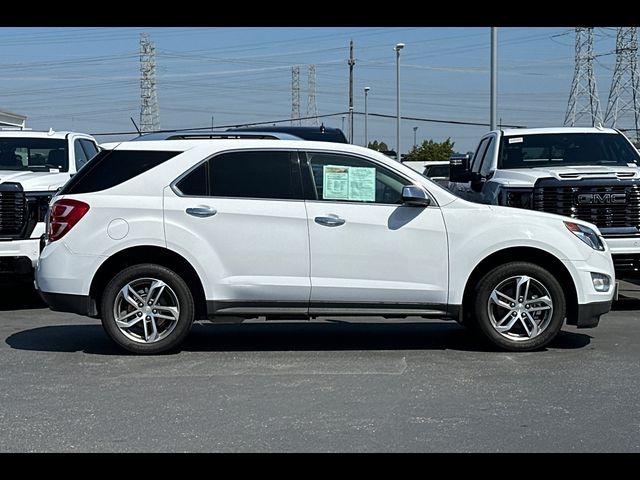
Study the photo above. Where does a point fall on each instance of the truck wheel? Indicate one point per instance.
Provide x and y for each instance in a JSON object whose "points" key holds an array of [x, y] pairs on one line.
{"points": [[519, 306], [147, 309]]}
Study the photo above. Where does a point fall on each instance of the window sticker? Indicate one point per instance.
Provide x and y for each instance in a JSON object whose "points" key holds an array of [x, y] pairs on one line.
{"points": [[348, 183], [516, 140]]}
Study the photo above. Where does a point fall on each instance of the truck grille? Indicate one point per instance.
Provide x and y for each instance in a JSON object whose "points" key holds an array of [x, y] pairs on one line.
{"points": [[13, 213], [626, 264], [606, 206]]}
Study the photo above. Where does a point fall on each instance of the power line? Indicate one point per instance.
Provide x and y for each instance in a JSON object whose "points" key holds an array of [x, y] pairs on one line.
{"points": [[270, 122]]}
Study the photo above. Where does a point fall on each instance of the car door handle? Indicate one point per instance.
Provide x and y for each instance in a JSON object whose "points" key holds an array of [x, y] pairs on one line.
{"points": [[330, 221], [202, 212]]}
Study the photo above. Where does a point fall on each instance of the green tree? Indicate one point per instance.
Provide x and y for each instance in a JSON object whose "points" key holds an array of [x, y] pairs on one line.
{"points": [[431, 151], [378, 146]]}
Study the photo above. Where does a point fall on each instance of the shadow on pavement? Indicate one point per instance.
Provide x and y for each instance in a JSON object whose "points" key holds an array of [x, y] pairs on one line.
{"points": [[20, 297], [282, 337], [625, 304]]}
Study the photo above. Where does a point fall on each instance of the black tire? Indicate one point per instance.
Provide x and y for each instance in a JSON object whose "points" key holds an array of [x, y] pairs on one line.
{"points": [[517, 340], [178, 289]]}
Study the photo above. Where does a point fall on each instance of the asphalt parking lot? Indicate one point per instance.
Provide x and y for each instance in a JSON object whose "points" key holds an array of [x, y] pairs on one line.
{"points": [[320, 387]]}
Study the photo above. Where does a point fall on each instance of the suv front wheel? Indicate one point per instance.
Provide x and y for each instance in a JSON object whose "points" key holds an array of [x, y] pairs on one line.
{"points": [[519, 306], [147, 309]]}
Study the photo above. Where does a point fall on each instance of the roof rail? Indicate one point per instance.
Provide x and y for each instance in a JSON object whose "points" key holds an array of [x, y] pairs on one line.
{"points": [[15, 129]]}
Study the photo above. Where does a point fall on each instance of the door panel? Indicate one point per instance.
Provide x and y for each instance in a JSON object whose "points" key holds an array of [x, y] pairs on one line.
{"points": [[243, 218], [253, 250], [381, 253]]}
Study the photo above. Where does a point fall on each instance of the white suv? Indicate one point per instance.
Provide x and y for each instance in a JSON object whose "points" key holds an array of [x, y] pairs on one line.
{"points": [[152, 235], [33, 165]]}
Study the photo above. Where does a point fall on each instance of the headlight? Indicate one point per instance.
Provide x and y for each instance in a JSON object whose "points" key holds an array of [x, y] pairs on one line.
{"points": [[40, 203], [586, 234], [516, 197]]}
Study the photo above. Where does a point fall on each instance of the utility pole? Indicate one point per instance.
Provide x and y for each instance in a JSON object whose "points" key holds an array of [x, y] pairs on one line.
{"points": [[366, 117], [295, 95], [494, 77], [624, 96], [351, 63], [149, 110], [583, 98]]}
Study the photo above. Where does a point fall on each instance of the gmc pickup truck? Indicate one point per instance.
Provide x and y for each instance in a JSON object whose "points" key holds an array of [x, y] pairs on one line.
{"points": [[33, 166], [586, 173]]}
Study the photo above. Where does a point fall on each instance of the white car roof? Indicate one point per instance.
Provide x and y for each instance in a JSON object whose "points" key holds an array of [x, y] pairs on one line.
{"points": [[33, 134], [510, 132]]}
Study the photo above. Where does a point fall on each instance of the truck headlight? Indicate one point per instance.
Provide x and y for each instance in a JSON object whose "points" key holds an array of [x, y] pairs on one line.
{"points": [[516, 197], [586, 234]]}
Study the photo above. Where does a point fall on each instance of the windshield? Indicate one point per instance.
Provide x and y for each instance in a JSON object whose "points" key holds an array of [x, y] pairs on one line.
{"points": [[437, 171], [34, 154], [564, 150]]}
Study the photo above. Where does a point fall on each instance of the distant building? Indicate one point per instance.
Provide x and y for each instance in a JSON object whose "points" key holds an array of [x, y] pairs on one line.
{"points": [[9, 119]]}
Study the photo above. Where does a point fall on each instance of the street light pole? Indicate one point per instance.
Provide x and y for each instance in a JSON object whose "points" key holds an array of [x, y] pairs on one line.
{"points": [[366, 117], [415, 129], [494, 78], [397, 48]]}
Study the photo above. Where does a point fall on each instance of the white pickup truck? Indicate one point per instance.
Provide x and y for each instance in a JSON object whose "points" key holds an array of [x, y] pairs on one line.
{"points": [[586, 173], [33, 166]]}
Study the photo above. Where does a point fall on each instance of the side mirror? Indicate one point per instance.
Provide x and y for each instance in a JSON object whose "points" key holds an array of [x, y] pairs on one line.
{"points": [[415, 196], [460, 170]]}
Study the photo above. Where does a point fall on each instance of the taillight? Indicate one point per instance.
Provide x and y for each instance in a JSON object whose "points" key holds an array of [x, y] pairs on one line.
{"points": [[63, 215]]}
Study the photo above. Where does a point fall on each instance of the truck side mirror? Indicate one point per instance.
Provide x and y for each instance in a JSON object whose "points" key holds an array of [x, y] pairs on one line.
{"points": [[460, 170]]}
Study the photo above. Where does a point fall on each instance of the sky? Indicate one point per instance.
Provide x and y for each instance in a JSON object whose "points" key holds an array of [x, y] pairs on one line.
{"points": [[88, 79]]}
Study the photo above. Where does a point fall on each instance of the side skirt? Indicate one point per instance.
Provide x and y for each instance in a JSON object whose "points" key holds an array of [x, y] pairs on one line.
{"points": [[303, 310]]}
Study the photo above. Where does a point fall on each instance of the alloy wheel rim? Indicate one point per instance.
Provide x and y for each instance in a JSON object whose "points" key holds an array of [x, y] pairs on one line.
{"points": [[520, 308], [146, 310]]}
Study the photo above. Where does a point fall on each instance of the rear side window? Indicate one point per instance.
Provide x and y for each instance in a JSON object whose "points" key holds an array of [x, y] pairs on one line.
{"points": [[113, 167], [195, 184], [253, 174]]}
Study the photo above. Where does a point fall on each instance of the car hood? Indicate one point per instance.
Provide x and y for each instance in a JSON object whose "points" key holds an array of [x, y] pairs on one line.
{"points": [[529, 176], [501, 214], [34, 181]]}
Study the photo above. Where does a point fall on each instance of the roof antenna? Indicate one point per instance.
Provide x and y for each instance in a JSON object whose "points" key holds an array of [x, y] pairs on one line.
{"points": [[134, 124], [50, 132], [599, 126]]}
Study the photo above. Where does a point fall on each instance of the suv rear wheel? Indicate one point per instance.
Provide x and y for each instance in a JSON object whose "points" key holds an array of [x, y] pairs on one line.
{"points": [[519, 306], [147, 309]]}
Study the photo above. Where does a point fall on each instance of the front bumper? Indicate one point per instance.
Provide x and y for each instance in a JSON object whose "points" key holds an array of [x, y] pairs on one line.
{"points": [[626, 256], [28, 248], [588, 314]]}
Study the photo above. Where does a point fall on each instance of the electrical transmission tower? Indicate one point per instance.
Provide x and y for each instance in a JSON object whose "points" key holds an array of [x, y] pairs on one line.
{"points": [[625, 91], [312, 107], [149, 110], [583, 99], [295, 95]]}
